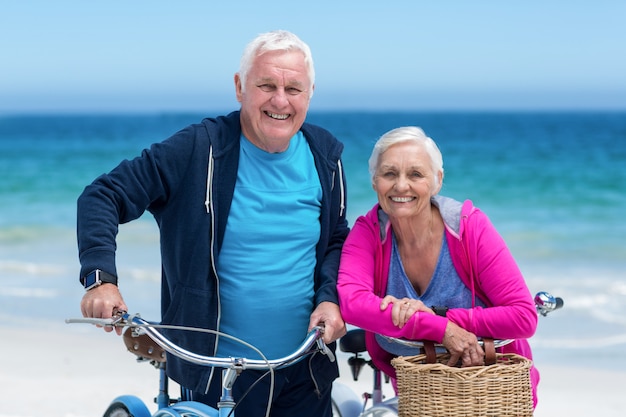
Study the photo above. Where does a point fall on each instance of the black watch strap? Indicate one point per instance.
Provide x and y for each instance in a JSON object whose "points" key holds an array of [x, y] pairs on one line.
{"points": [[440, 310], [98, 277]]}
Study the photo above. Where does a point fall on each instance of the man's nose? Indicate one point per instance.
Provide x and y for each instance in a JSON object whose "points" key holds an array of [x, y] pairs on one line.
{"points": [[279, 98]]}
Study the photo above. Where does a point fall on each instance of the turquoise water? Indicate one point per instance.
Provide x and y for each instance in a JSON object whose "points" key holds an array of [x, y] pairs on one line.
{"points": [[554, 184]]}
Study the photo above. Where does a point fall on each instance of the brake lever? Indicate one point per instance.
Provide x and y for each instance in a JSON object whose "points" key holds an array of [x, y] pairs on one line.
{"points": [[325, 350], [118, 319], [321, 346]]}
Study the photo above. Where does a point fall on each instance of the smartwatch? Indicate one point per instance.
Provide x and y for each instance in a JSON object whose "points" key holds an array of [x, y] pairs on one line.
{"points": [[98, 277], [440, 310]]}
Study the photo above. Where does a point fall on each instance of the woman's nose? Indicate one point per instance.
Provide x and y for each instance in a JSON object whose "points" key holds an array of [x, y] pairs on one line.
{"points": [[402, 183]]}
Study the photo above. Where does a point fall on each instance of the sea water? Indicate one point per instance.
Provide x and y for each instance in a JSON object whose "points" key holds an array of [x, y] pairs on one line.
{"points": [[554, 185]]}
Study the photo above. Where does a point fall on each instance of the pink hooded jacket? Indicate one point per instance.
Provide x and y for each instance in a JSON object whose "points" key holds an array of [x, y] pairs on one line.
{"points": [[483, 262]]}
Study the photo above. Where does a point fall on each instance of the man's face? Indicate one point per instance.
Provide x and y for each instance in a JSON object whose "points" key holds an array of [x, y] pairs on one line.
{"points": [[275, 99]]}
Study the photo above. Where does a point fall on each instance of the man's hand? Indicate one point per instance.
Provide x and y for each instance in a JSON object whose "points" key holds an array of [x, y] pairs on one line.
{"points": [[328, 316], [462, 345], [103, 302]]}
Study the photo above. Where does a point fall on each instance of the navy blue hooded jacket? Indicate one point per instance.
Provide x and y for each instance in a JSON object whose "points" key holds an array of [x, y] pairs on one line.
{"points": [[187, 183]]}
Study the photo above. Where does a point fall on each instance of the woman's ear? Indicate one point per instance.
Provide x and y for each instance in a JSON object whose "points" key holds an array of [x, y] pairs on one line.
{"points": [[439, 182]]}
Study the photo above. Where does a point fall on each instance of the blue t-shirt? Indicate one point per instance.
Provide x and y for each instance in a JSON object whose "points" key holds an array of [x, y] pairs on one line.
{"points": [[267, 260], [445, 289]]}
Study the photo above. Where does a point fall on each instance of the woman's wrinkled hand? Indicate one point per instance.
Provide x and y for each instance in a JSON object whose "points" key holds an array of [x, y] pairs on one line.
{"points": [[462, 346], [403, 309]]}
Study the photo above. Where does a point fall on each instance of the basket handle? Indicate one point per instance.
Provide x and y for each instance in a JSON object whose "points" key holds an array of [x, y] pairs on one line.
{"points": [[429, 351], [490, 351], [488, 347]]}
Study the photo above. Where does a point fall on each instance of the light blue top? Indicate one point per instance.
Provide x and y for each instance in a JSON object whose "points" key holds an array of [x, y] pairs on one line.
{"points": [[267, 260], [445, 289]]}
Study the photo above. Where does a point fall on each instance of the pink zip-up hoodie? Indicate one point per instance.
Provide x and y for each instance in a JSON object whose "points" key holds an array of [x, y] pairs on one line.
{"points": [[480, 257]]}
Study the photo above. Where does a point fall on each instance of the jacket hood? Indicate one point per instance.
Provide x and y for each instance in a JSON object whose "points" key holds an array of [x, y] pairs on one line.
{"points": [[222, 129], [451, 211], [230, 123]]}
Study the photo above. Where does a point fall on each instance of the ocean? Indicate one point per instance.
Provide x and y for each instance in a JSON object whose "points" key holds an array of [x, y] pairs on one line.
{"points": [[553, 183]]}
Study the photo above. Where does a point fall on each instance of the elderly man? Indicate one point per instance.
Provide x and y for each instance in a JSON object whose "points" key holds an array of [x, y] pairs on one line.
{"points": [[251, 214]]}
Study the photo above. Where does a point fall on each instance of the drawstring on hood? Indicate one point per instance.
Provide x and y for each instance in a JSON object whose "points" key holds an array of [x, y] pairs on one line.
{"points": [[342, 204], [209, 177]]}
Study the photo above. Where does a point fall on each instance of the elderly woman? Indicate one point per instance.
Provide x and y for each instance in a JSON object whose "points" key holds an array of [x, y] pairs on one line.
{"points": [[420, 266]]}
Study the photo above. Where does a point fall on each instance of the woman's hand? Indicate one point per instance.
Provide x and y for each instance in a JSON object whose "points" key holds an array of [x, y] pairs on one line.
{"points": [[403, 309], [463, 346]]}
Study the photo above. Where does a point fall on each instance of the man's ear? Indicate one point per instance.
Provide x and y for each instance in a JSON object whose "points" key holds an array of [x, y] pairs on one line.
{"points": [[238, 88]]}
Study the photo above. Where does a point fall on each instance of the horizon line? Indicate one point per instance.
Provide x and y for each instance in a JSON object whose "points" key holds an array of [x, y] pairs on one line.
{"points": [[218, 112]]}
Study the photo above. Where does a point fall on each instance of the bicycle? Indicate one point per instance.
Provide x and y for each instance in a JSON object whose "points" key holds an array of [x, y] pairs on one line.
{"points": [[347, 403], [149, 345]]}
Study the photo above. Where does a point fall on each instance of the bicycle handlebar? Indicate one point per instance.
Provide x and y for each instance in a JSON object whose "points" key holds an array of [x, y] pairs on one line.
{"points": [[497, 343], [545, 303], [135, 321]]}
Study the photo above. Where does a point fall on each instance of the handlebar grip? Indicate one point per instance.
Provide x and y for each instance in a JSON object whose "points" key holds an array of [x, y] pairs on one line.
{"points": [[546, 303], [559, 303]]}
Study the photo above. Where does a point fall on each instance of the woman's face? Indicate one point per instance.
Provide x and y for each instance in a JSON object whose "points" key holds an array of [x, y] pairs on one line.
{"points": [[404, 180]]}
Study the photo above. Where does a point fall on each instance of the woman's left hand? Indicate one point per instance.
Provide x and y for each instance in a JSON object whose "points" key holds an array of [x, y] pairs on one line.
{"points": [[403, 309], [463, 346]]}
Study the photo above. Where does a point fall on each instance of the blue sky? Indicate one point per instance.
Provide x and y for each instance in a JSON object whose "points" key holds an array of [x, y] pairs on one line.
{"points": [[141, 55]]}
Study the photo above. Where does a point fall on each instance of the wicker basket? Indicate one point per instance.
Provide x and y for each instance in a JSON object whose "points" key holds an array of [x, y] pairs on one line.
{"points": [[437, 390]]}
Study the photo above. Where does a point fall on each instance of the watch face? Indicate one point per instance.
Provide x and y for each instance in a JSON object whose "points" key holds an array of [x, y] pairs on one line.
{"points": [[98, 277], [92, 280]]}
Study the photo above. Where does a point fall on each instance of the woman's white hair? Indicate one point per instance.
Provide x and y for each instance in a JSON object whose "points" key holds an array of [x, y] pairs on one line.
{"points": [[407, 134], [277, 40]]}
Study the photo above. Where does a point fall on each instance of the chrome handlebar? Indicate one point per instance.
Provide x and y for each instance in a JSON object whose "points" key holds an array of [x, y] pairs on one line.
{"points": [[123, 319], [545, 303]]}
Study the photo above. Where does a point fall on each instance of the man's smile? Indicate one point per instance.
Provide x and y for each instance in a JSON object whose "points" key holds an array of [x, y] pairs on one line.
{"points": [[277, 116]]}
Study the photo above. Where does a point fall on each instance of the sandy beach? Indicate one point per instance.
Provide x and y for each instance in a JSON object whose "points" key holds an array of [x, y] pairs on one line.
{"points": [[76, 370]]}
